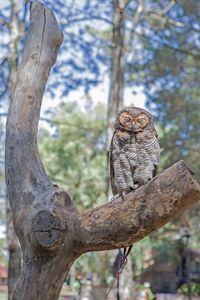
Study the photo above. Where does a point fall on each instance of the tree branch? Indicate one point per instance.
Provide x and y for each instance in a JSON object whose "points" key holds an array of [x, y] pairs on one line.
{"points": [[122, 223], [4, 23], [166, 20], [181, 50], [39, 55]]}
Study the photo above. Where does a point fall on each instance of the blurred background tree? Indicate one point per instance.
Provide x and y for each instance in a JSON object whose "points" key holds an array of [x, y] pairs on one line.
{"points": [[74, 151], [144, 49]]}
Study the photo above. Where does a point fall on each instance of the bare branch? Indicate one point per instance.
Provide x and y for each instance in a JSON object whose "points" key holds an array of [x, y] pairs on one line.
{"points": [[122, 4], [166, 20], [160, 15], [21, 146], [4, 23], [89, 18], [165, 10], [121, 224], [181, 50], [135, 20]]}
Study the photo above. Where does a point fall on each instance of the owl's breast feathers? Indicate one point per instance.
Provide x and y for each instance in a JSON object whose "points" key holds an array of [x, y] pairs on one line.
{"points": [[148, 155], [133, 159]]}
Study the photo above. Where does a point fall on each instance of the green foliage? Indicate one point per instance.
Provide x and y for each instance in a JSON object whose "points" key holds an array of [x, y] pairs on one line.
{"points": [[195, 289], [165, 245], [138, 255], [74, 156], [169, 73], [173, 96]]}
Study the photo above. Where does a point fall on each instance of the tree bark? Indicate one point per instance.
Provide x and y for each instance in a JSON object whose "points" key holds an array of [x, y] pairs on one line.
{"points": [[16, 31], [14, 250], [115, 100], [51, 231], [122, 223], [116, 90]]}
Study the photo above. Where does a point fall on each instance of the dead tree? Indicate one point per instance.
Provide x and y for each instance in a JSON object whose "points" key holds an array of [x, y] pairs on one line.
{"points": [[16, 31], [51, 230]]}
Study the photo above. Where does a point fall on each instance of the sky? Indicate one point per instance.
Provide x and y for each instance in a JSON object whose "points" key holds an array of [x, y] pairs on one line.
{"points": [[97, 94]]}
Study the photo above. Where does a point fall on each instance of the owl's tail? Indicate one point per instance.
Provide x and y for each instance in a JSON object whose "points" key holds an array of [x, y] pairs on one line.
{"points": [[127, 251], [123, 260]]}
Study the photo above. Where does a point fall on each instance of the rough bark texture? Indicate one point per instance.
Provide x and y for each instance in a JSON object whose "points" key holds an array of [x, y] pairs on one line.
{"points": [[16, 31], [122, 223], [51, 231], [14, 250]]}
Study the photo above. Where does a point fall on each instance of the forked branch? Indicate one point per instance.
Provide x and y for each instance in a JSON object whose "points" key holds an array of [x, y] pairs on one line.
{"points": [[51, 231]]}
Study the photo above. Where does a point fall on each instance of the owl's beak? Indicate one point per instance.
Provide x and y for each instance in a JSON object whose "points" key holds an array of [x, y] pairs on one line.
{"points": [[134, 127]]}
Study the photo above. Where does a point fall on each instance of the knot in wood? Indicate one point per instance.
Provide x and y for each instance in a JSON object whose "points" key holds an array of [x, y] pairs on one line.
{"points": [[48, 229]]}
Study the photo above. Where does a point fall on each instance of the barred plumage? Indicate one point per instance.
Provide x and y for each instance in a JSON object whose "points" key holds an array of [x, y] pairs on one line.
{"points": [[134, 151]]}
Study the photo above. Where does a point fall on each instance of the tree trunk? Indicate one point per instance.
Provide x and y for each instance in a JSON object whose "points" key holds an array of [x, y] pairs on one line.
{"points": [[116, 90], [14, 249], [14, 37], [117, 65], [51, 231]]}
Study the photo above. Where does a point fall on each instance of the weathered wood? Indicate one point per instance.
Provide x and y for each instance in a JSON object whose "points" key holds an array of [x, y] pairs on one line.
{"points": [[14, 250], [16, 31], [42, 44], [122, 223], [51, 231], [48, 229], [29, 189]]}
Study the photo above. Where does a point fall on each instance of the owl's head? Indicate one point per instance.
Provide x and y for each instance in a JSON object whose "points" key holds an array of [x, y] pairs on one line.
{"points": [[134, 119]]}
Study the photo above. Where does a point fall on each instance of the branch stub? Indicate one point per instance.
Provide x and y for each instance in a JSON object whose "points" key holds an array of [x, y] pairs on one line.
{"points": [[48, 229]]}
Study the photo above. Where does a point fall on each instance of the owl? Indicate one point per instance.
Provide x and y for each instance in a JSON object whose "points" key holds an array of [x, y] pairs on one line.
{"points": [[134, 151]]}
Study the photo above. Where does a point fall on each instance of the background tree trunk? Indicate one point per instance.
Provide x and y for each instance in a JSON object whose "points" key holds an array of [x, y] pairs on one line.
{"points": [[51, 231], [116, 91]]}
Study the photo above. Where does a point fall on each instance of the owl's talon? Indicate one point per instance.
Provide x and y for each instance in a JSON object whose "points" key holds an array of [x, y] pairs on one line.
{"points": [[135, 187], [117, 196], [123, 195], [114, 198]]}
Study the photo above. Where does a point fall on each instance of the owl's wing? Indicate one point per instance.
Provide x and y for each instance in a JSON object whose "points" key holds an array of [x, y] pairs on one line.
{"points": [[112, 167], [155, 171], [156, 154]]}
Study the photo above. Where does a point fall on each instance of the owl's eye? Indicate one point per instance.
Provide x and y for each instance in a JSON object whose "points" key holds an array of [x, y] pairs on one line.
{"points": [[125, 119], [142, 120]]}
